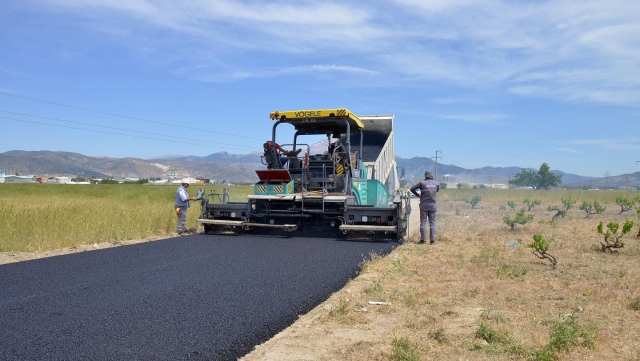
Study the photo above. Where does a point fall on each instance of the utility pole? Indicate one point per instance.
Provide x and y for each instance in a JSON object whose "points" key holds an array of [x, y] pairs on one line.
{"points": [[606, 180], [436, 158]]}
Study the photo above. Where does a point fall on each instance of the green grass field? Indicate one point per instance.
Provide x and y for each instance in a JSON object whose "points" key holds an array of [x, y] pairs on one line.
{"points": [[38, 217]]}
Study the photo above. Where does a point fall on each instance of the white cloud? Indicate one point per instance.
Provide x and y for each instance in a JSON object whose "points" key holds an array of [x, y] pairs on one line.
{"points": [[566, 50], [620, 144], [473, 118]]}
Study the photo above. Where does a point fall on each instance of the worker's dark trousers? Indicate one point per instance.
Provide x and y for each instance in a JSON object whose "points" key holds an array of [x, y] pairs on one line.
{"points": [[182, 219], [431, 216]]}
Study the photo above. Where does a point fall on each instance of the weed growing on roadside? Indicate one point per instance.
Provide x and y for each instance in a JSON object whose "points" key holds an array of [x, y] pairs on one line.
{"points": [[471, 293], [340, 310], [438, 335], [511, 271], [566, 333], [486, 254], [402, 349], [375, 288], [498, 342], [498, 318]]}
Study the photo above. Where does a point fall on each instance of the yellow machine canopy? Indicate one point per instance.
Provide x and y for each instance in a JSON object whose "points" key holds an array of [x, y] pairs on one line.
{"points": [[319, 120]]}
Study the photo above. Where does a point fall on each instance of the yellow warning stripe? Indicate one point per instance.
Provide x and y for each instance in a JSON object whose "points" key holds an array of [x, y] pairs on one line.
{"points": [[339, 169]]}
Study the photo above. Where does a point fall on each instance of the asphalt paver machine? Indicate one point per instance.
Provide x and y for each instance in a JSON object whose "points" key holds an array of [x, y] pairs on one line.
{"points": [[348, 190]]}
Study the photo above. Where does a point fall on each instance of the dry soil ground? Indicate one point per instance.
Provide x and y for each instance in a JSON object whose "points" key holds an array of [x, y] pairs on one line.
{"points": [[478, 294]]}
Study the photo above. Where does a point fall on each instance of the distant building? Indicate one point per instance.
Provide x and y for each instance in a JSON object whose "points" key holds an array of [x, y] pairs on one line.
{"points": [[178, 181], [61, 180], [19, 179]]}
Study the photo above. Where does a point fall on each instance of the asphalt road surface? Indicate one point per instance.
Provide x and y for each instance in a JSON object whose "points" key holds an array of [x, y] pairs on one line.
{"points": [[200, 297]]}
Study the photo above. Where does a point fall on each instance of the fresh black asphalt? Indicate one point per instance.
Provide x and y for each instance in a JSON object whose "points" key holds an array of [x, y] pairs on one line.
{"points": [[201, 297]]}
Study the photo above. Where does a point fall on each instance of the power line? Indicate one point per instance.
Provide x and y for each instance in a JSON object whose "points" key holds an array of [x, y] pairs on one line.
{"points": [[122, 116], [106, 132], [121, 129]]}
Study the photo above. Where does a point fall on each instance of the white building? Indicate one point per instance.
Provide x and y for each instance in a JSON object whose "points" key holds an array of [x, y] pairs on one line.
{"points": [[62, 180]]}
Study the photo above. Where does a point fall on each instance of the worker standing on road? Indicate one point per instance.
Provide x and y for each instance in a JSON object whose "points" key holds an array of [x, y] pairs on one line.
{"points": [[181, 203], [428, 207]]}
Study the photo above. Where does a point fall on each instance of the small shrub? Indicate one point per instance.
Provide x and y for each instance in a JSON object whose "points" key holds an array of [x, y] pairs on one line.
{"points": [[611, 238], [499, 342], [512, 205], [566, 332], [592, 208], [519, 218], [490, 335], [530, 204], [635, 303], [625, 204], [561, 212], [474, 201], [402, 349], [540, 246]]}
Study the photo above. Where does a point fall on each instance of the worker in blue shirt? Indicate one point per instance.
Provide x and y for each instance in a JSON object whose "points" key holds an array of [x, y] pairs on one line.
{"points": [[181, 203], [428, 207]]}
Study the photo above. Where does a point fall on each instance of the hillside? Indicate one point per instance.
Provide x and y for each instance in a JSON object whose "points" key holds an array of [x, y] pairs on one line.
{"points": [[240, 168]]}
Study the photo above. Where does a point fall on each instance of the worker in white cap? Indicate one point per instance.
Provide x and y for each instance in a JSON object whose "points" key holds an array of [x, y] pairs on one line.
{"points": [[181, 203]]}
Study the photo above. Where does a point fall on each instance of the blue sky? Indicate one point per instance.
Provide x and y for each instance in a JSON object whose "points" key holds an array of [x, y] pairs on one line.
{"points": [[486, 83]]}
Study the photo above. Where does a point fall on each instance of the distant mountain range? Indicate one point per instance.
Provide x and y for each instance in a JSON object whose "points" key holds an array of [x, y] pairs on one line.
{"points": [[240, 168]]}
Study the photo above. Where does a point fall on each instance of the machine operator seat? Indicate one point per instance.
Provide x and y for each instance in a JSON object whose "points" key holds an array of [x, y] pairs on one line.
{"points": [[270, 156]]}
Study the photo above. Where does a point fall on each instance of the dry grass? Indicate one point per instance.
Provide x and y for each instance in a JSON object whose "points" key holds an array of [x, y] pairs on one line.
{"points": [[476, 296]]}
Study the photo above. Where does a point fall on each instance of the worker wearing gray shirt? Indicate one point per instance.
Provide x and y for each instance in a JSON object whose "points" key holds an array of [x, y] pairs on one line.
{"points": [[428, 207]]}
